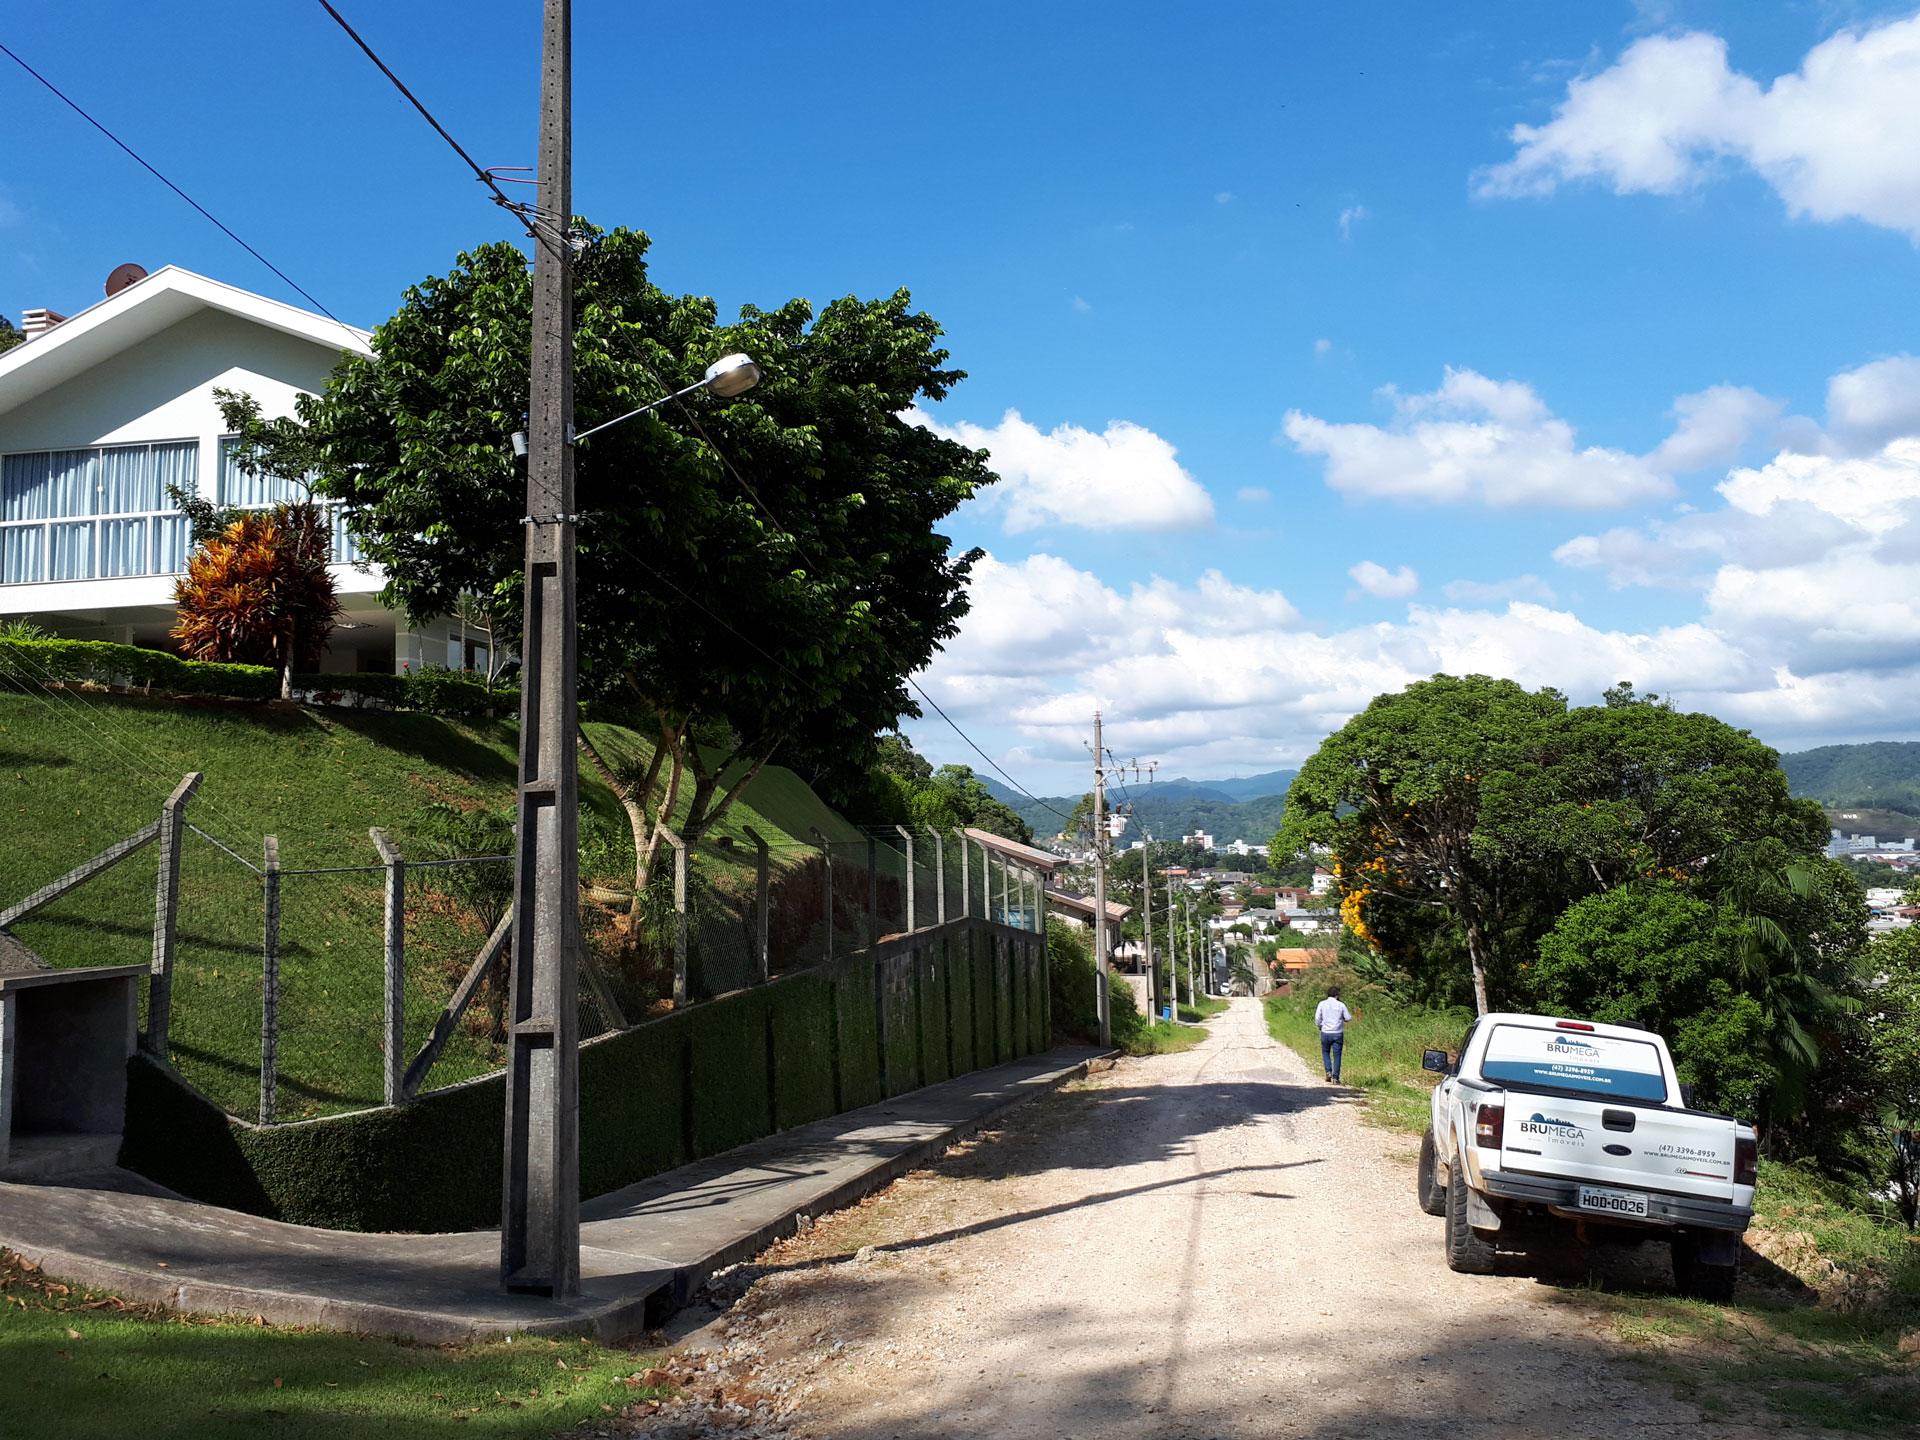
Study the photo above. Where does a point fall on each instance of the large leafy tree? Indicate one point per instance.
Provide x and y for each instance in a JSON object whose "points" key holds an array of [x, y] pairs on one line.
{"points": [[757, 577], [1397, 793]]}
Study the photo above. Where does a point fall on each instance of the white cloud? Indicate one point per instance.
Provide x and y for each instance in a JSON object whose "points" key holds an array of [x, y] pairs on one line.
{"points": [[1475, 439], [1223, 197], [1714, 426], [1123, 478], [1254, 494], [1185, 672], [1349, 217], [1081, 306], [1879, 401], [1322, 346], [1382, 583], [1477, 592], [1837, 139]]}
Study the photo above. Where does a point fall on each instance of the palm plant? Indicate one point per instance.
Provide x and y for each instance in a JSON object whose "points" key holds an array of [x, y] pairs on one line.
{"points": [[260, 593]]}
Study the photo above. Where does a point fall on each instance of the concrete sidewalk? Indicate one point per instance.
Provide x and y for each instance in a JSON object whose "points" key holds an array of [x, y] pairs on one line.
{"points": [[643, 1250]]}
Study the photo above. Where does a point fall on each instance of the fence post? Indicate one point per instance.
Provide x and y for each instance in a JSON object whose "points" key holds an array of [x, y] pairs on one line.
{"points": [[270, 981], [939, 877], [396, 966], [907, 836], [166, 916], [826, 860], [762, 880], [966, 882], [680, 986]]}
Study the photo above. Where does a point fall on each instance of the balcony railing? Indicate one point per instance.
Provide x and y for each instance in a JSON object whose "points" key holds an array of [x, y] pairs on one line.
{"points": [[115, 547]]}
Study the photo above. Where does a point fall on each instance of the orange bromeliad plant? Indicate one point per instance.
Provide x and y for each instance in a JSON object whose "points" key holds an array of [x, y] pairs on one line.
{"points": [[259, 593]]}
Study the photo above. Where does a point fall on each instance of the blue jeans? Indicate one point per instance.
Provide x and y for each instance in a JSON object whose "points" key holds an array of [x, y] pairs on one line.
{"points": [[1330, 1053]]}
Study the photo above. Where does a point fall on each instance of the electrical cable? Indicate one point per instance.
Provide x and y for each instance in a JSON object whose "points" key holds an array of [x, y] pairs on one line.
{"points": [[148, 166]]}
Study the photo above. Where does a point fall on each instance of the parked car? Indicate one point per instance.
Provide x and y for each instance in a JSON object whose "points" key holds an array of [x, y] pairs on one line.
{"points": [[1568, 1128]]}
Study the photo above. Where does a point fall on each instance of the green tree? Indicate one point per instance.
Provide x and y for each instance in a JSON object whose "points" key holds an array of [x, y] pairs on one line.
{"points": [[1893, 1051], [1397, 793], [9, 337], [757, 577]]}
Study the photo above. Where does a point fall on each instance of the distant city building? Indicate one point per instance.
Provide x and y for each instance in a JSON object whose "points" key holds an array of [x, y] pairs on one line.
{"points": [[1200, 838], [1242, 848], [1322, 881]]}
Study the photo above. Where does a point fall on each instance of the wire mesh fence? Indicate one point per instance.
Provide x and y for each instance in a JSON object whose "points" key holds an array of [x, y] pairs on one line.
{"points": [[297, 989]]}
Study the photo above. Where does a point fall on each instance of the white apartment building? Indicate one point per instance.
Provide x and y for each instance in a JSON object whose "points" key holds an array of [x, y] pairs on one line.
{"points": [[101, 411]]}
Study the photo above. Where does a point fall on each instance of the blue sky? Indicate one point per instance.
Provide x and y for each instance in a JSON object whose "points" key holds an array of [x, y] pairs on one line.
{"points": [[1274, 292]]}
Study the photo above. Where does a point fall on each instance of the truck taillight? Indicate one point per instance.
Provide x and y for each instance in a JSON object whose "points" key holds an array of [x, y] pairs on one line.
{"points": [[1573, 1025], [1746, 1160], [1489, 1125]]}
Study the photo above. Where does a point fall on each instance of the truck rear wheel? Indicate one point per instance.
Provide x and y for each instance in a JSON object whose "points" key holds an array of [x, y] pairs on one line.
{"points": [[1698, 1280], [1433, 1195], [1468, 1251]]}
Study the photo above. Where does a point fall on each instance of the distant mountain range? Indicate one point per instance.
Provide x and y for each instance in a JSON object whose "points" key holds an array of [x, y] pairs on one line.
{"points": [[1248, 808]]}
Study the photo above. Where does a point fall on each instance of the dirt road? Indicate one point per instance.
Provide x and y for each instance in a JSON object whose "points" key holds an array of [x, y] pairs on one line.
{"points": [[1206, 1244]]}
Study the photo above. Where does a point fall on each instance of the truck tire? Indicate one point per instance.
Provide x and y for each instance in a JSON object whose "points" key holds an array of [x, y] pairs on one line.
{"points": [[1697, 1280], [1433, 1195], [1468, 1251]]}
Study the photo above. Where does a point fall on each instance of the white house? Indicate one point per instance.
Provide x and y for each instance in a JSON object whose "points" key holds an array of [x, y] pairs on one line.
{"points": [[101, 411]]}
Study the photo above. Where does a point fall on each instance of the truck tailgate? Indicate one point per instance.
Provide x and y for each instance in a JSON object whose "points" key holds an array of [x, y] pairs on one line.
{"points": [[1632, 1147]]}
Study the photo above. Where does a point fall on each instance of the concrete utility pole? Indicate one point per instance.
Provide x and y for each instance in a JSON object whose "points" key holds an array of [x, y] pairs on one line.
{"points": [[1100, 885], [540, 1209], [1173, 945], [1146, 917], [1193, 943]]}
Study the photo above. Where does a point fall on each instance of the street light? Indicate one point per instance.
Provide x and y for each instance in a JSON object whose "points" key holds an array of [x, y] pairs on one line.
{"points": [[727, 377]]}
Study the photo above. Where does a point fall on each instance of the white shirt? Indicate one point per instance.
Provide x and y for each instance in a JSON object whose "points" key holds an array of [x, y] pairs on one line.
{"points": [[1331, 1016]]}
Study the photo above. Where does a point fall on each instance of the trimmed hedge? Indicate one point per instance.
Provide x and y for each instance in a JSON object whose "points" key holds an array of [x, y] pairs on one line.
{"points": [[985, 993], [434, 689], [690, 1084], [1003, 977], [31, 662]]}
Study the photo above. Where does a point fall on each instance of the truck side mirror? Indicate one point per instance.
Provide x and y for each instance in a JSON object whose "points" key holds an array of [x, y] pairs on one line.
{"points": [[1436, 1061]]}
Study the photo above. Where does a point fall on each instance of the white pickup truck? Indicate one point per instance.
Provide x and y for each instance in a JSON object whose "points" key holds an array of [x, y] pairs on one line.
{"points": [[1582, 1129]]}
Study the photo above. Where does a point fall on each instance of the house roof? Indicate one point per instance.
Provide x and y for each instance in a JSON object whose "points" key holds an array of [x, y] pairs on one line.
{"points": [[1026, 854], [141, 311], [1080, 905]]}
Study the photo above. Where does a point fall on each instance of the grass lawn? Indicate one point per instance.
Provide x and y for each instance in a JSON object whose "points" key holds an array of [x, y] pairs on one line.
{"points": [[82, 1365], [1811, 1364], [78, 772]]}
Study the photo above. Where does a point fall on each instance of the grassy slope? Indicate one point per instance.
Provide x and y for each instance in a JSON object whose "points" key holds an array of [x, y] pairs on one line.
{"points": [[1811, 1364], [85, 1365], [78, 773]]}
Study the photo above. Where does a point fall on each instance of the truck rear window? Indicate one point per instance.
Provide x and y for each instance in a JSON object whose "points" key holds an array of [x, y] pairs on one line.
{"points": [[1570, 1060]]}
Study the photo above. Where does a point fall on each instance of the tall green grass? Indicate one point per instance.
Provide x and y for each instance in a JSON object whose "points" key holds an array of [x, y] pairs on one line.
{"points": [[1382, 1051]]}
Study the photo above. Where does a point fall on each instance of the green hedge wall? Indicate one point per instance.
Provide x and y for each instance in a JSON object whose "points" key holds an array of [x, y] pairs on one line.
{"points": [[902, 1067], [690, 1084], [960, 986], [434, 689], [1003, 1002], [853, 1002], [800, 1010], [984, 992], [732, 1088]]}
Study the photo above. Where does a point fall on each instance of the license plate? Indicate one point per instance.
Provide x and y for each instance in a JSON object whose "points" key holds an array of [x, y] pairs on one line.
{"points": [[1613, 1202]]}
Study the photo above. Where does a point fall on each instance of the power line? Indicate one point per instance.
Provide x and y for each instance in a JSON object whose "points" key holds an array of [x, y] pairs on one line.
{"points": [[693, 418], [146, 165], [527, 214]]}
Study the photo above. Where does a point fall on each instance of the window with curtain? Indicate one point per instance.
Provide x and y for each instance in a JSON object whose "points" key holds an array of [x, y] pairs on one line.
{"points": [[237, 487], [101, 511]]}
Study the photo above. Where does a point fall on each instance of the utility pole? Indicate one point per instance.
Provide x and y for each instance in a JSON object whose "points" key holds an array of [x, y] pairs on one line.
{"points": [[1172, 943], [540, 1210], [1101, 1005], [1146, 918]]}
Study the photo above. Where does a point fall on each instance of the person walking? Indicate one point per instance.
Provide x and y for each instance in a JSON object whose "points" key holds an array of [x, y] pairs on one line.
{"points": [[1332, 1016]]}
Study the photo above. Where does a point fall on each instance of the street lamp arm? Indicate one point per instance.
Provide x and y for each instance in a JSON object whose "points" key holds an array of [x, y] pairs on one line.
{"points": [[640, 410]]}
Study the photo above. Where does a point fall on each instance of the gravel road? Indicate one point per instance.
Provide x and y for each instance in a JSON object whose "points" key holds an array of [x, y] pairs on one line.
{"points": [[1205, 1244]]}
